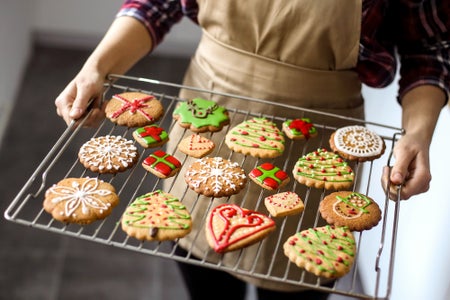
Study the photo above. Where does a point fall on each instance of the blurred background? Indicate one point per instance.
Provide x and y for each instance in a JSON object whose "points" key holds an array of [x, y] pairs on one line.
{"points": [[43, 43]]}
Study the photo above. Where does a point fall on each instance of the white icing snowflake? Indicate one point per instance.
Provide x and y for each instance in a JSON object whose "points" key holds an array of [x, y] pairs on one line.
{"points": [[85, 195], [221, 174], [358, 140]]}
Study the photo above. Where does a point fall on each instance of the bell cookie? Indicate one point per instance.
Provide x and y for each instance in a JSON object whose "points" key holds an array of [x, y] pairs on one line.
{"points": [[156, 216], [299, 129], [108, 154], [196, 146], [284, 204], [215, 177], [80, 200], [230, 227], [269, 176], [257, 137], [151, 136], [357, 143], [323, 169], [201, 115], [326, 251], [354, 210], [133, 109], [161, 164]]}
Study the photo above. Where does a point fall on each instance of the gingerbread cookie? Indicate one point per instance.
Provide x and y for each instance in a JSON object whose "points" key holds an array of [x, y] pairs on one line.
{"points": [[257, 137], [269, 176], [200, 115], [323, 169], [215, 177], [156, 216], [80, 200], [151, 136], [324, 251], [357, 143], [162, 164], [354, 210], [284, 204], [134, 109], [230, 227], [299, 129], [196, 146], [108, 154]]}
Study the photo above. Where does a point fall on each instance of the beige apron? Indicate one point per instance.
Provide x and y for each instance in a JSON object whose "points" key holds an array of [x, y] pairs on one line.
{"points": [[298, 52]]}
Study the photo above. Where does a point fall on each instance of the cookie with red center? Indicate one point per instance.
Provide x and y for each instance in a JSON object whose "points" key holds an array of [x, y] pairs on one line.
{"points": [[162, 164], [196, 146], [269, 176], [151, 136], [284, 204], [299, 129]]}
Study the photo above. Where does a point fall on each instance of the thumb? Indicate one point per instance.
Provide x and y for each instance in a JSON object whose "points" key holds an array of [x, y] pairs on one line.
{"points": [[79, 105]]}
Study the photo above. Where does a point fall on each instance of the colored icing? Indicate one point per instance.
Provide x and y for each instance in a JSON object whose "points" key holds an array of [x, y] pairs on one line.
{"points": [[325, 166], [286, 200], [87, 195], [268, 175], [301, 127], [200, 112], [133, 106], [229, 224], [156, 210], [352, 206], [162, 162], [197, 142], [152, 134], [110, 152], [358, 141]]}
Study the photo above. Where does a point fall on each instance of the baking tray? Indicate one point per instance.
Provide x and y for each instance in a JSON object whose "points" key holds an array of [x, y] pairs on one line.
{"points": [[26, 207]]}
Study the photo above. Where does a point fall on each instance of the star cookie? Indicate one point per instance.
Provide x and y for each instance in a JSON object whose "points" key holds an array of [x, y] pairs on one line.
{"points": [[162, 164], [269, 176], [196, 146], [284, 204]]}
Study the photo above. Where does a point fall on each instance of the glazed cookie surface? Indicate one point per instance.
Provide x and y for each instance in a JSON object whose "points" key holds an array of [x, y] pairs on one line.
{"points": [[357, 143], [134, 109], [162, 164], [196, 146], [257, 137], [156, 216], [354, 210], [269, 176], [80, 200], [284, 204], [108, 154], [298, 129], [201, 115], [151, 136], [230, 227]]}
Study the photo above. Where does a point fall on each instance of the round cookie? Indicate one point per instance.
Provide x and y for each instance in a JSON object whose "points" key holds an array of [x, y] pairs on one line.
{"points": [[161, 164], [269, 176], [201, 115], [230, 227], [257, 137], [134, 109], [196, 146], [284, 204], [108, 154], [354, 210], [156, 216], [357, 143], [80, 200], [151, 136], [299, 129], [215, 177], [323, 169], [324, 251]]}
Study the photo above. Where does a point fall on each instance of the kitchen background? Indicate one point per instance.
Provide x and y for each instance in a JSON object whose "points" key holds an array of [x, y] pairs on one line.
{"points": [[422, 262]]}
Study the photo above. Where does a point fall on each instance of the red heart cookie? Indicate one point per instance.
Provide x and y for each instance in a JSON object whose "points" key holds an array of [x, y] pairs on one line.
{"points": [[230, 227]]}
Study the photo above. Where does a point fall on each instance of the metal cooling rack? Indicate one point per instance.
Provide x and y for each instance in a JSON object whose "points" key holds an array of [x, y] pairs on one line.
{"points": [[26, 207]]}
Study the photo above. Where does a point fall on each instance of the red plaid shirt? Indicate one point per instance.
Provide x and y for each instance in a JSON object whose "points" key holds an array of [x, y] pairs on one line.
{"points": [[415, 31]]}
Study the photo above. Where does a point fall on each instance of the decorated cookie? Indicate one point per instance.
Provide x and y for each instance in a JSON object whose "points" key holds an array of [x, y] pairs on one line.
{"points": [[299, 129], [257, 137], [134, 109], [196, 146], [269, 177], [162, 164], [324, 251], [216, 177], [150, 136], [156, 216], [108, 154], [80, 200], [230, 227], [323, 169], [200, 115], [354, 210], [357, 143], [284, 204]]}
